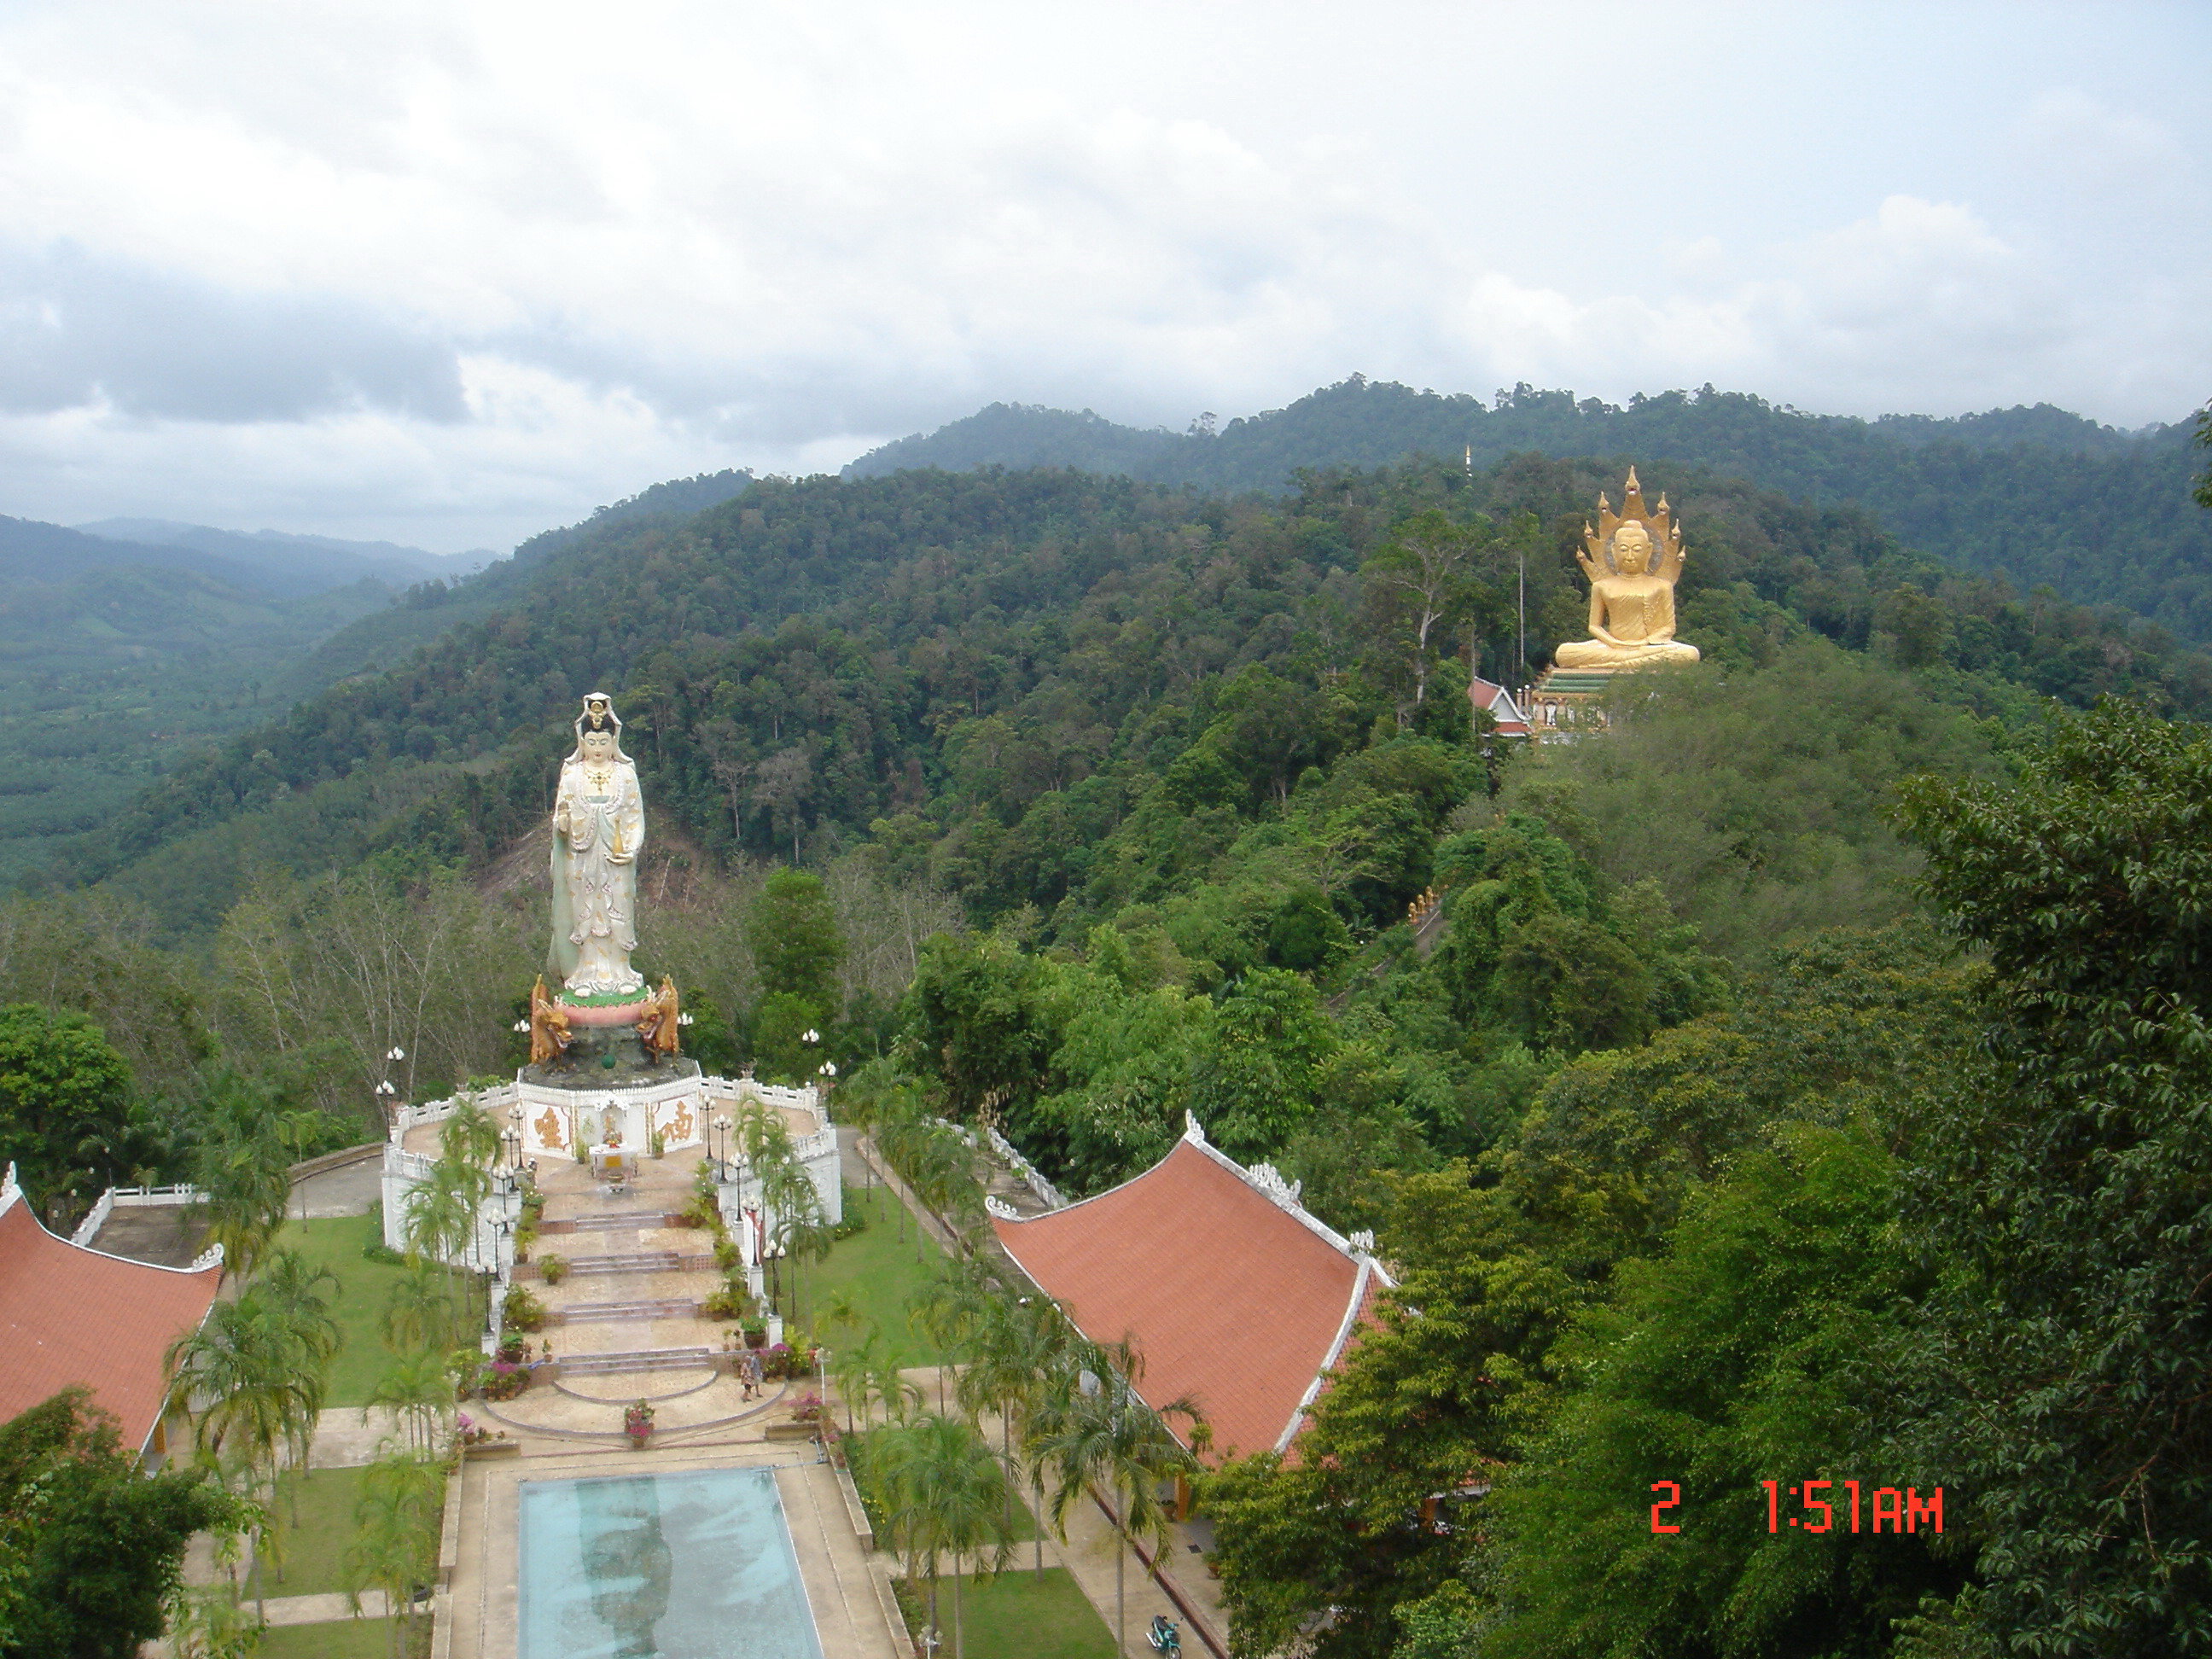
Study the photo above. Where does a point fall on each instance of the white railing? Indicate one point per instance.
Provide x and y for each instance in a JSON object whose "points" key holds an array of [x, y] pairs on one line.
{"points": [[88, 1228], [498, 1097], [1047, 1194], [131, 1198]]}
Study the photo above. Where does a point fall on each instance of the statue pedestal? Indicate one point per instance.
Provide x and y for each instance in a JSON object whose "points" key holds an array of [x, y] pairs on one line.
{"points": [[609, 1085], [1564, 699]]}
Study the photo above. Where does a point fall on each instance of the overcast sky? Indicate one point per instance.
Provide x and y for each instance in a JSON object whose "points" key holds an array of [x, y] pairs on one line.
{"points": [[452, 272]]}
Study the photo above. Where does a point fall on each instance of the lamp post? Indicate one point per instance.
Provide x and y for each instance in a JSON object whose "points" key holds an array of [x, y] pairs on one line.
{"points": [[828, 1076], [722, 1143], [387, 1098]]}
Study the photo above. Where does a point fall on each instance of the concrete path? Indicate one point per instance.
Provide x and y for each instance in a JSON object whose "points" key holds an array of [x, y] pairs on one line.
{"points": [[323, 1609], [349, 1189]]}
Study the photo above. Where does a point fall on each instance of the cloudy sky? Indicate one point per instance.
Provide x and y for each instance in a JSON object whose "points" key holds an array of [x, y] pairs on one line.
{"points": [[452, 272]]}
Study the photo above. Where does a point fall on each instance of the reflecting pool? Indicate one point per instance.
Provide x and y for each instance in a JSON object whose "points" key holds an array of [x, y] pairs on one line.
{"points": [[693, 1566]]}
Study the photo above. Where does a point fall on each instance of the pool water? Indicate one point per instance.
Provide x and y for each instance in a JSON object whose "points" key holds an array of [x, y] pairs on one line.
{"points": [[694, 1565]]}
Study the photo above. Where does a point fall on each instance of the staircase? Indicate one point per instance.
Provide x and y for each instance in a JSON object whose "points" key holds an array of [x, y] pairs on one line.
{"points": [[613, 1222], [666, 1307], [640, 1261], [641, 1359]]}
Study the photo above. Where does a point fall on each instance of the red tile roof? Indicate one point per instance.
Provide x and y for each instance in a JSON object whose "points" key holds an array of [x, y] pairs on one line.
{"points": [[1499, 704], [72, 1315], [1232, 1299]]}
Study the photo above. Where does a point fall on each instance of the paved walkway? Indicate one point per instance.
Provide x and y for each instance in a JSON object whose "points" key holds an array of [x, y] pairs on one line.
{"points": [[349, 1189]]}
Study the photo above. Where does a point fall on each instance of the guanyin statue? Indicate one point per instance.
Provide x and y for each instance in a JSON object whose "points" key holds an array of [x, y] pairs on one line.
{"points": [[598, 830]]}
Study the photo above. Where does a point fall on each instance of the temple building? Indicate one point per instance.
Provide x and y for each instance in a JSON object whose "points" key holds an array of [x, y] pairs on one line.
{"points": [[1235, 1297], [71, 1315]]}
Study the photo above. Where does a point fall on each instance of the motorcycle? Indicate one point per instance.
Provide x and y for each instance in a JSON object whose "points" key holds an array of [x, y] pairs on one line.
{"points": [[1162, 1638]]}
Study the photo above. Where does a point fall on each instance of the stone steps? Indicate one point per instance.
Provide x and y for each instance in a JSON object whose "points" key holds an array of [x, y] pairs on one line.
{"points": [[664, 1308], [614, 1222], [643, 1359], [640, 1261]]}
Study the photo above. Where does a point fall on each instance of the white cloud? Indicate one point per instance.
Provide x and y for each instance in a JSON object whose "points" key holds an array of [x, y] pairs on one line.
{"points": [[454, 273]]}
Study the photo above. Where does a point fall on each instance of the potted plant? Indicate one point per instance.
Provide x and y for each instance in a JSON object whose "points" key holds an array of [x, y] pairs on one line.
{"points": [[522, 1312], [503, 1379], [655, 1144], [755, 1332], [637, 1423], [553, 1269]]}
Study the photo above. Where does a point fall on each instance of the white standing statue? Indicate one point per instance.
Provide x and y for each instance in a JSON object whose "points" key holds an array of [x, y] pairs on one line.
{"points": [[598, 830]]}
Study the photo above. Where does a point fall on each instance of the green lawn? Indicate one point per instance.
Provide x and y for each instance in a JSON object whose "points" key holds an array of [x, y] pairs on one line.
{"points": [[312, 1550], [364, 1288], [880, 1272], [348, 1638], [1017, 1616]]}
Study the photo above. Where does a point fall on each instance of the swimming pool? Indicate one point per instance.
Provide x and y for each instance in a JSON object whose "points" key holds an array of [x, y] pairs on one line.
{"points": [[694, 1565]]}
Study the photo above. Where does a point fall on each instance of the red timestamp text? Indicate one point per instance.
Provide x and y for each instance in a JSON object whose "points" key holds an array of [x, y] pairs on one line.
{"points": [[1826, 1506]]}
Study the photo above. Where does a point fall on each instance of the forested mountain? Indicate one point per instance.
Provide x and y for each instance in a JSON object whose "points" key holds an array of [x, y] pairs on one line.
{"points": [[138, 641], [1798, 1088], [116, 671], [2038, 495], [997, 663]]}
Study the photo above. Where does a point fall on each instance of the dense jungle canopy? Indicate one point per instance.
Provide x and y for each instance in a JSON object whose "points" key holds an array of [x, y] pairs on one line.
{"points": [[1803, 1083]]}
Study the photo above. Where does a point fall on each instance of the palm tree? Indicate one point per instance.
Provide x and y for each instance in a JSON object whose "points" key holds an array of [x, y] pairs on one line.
{"points": [[420, 1311], [944, 1492], [888, 1387], [951, 1306], [292, 1293], [1018, 1344], [436, 1217], [791, 1196], [853, 1372], [249, 1188], [240, 1373], [413, 1388], [395, 1534], [1106, 1433]]}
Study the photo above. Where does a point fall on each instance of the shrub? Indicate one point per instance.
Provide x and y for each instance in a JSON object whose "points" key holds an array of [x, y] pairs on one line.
{"points": [[728, 1302], [523, 1311], [726, 1254], [377, 1250], [701, 1212]]}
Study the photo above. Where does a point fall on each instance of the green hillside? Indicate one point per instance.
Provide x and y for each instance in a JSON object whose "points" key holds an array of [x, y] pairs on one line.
{"points": [[2039, 495], [986, 660], [1796, 1087], [118, 672]]}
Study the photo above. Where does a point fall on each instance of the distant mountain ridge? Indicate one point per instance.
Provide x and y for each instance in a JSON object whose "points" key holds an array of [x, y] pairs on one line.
{"points": [[284, 563], [2046, 496]]}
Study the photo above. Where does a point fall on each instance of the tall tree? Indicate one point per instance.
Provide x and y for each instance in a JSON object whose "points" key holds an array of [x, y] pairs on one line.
{"points": [[1107, 1434], [64, 1099], [2066, 1182], [90, 1546]]}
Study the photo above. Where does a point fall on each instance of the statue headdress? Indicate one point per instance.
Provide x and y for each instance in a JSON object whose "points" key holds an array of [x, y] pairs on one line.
{"points": [[1658, 523], [599, 715]]}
